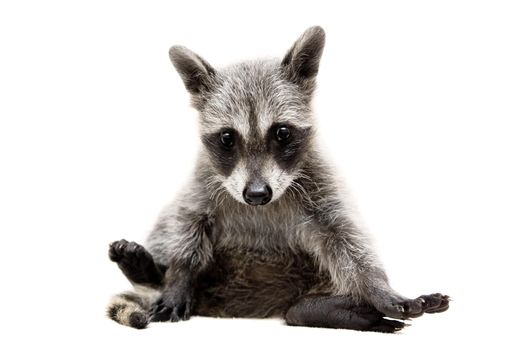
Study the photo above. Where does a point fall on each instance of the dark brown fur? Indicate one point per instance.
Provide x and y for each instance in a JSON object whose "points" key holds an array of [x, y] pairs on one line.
{"points": [[255, 284]]}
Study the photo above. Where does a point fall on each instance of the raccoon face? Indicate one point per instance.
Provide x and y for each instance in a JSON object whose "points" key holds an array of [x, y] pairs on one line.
{"points": [[260, 167], [255, 117]]}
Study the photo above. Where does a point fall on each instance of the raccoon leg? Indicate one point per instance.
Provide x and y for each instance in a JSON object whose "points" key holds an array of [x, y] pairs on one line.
{"points": [[136, 263], [132, 308], [182, 241], [175, 303], [339, 312]]}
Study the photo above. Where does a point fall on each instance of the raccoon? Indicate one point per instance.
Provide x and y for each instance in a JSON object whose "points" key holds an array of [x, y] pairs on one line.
{"points": [[262, 228]]}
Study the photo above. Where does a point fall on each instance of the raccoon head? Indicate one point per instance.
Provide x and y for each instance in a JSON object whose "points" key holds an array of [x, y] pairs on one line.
{"points": [[255, 117]]}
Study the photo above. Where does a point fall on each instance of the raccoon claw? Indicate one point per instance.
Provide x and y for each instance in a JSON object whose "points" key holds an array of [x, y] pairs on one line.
{"points": [[180, 313], [375, 321], [435, 303], [160, 314], [173, 314], [171, 307], [409, 308], [388, 326]]}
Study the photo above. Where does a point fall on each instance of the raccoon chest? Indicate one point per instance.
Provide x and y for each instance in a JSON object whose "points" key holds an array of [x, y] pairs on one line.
{"points": [[257, 228]]}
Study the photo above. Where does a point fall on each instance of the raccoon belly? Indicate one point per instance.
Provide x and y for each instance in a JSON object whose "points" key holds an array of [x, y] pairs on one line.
{"points": [[256, 284]]}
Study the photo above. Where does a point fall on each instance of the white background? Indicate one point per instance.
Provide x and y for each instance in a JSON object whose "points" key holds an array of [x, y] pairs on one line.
{"points": [[420, 105]]}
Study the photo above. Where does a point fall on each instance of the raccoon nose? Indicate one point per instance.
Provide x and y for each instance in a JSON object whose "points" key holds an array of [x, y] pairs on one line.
{"points": [[257, 193]]}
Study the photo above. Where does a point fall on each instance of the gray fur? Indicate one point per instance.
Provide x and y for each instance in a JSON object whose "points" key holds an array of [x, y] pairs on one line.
{"points": [[305, 241]]}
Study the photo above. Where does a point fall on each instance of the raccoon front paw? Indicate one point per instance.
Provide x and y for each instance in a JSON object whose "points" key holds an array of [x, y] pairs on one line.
{"points": [[174, 305], [402, 308]]}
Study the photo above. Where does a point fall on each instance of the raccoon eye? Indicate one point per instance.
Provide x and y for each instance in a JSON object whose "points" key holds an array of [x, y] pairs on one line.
{"points": [[227, 139], [282, 133]]}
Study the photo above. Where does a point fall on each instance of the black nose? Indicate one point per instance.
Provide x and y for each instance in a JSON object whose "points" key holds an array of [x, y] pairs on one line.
{"points": [[257, 193]]}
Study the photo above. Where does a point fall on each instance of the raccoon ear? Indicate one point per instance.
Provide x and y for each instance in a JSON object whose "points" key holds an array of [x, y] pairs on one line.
{"points": [[301, 63], [196, 73]]}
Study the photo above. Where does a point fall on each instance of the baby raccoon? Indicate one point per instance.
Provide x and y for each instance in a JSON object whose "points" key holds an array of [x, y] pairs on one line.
{"points": [[261, 229]]}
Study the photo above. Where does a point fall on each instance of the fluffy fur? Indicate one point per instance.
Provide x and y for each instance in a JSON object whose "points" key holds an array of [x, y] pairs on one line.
{"points": [[301, 256]]}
